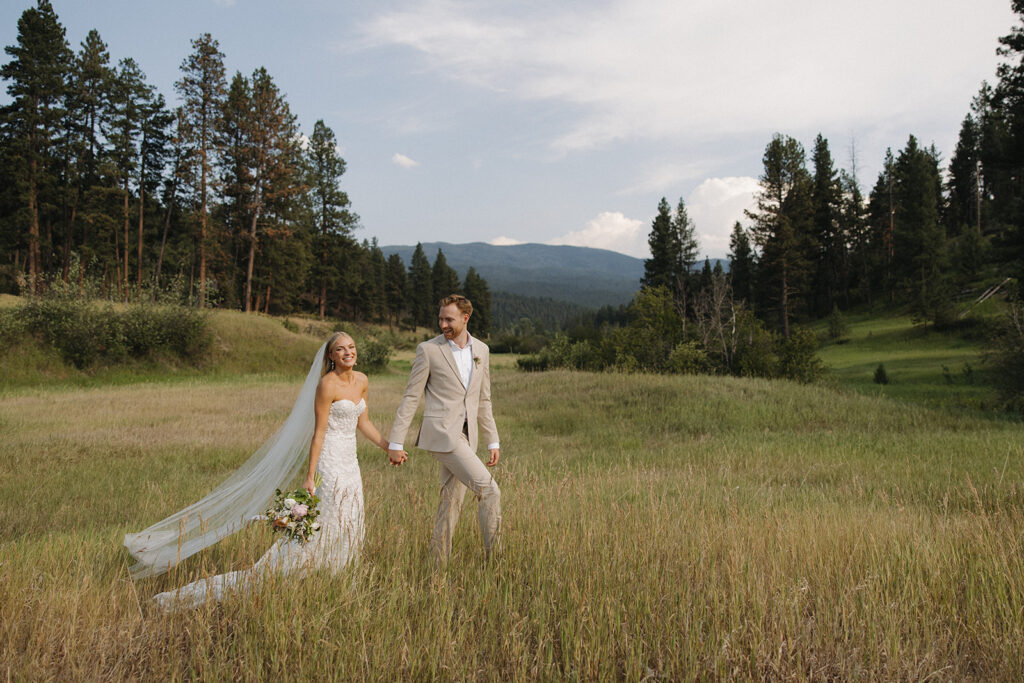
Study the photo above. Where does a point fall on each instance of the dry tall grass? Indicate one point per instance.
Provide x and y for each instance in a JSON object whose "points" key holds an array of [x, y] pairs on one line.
{"points": [[655, 527]]}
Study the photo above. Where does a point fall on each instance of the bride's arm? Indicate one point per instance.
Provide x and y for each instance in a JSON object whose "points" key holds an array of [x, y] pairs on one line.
{"points": [[321, 410], [366, 426]]}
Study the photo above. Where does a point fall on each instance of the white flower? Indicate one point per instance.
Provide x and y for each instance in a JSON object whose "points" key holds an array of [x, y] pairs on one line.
{"points": [[315, 526], [288, 503]]}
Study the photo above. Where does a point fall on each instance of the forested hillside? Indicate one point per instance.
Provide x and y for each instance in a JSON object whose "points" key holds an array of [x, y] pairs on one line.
{"points": [[223, 199]]}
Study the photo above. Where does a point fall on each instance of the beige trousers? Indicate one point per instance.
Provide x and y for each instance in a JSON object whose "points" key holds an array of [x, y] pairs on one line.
{"points": [[462, 469]]}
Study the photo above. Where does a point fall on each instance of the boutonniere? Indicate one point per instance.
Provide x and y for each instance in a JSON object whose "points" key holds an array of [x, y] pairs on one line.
{"points": [[476, 361]]}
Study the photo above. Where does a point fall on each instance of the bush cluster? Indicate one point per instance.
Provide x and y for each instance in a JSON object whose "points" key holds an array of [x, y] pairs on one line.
{"points": [[374, 355], [86, 333], [724, 339]]}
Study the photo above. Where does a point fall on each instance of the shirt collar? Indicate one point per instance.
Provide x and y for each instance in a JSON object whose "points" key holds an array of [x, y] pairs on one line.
{"points": [[455, 347]]}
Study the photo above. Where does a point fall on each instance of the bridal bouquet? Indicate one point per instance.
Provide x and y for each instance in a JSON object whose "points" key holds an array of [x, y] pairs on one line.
{"points": [[294, 514]]}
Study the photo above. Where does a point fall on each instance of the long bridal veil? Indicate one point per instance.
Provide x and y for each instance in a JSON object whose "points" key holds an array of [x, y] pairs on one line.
{"points": [[240, 497]]}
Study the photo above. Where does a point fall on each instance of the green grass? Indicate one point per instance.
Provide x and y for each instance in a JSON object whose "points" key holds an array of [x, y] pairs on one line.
{"points": [[924, 366], [243, 344], [654, 527]]}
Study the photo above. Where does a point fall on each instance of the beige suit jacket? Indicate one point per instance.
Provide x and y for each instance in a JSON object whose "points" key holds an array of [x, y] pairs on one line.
{"points": [[448, 403]]}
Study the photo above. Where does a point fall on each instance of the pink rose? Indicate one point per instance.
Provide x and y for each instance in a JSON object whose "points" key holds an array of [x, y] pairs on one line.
{"points": [[299, 511]]}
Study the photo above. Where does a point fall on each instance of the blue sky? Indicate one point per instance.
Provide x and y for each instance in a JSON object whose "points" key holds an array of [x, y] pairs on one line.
{"points": [[566, 122]]}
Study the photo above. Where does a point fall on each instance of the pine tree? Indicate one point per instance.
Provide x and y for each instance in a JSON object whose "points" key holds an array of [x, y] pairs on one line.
{"points": [[881, 217], [203, 89], [37, 80], [476, 290], [444, 279], [853, 218], [333, 221], [782, 224], [826, 199], [918, 235], [741, 264], [263, 159], [659, 270], [964, 180], [421, 295], [394, 288]]}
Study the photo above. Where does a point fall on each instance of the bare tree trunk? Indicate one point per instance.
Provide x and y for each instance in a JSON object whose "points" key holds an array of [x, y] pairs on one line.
{"points": [[202, 234], [267, 303], [142, 202], [33, 230], [127, 239], [252, 259]]}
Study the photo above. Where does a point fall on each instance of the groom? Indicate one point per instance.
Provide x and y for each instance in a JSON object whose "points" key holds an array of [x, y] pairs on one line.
{"points": [[452, 371]]}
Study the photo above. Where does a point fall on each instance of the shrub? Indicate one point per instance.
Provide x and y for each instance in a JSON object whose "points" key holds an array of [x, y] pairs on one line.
{"points": [[688, 358], [85, 333], [838, 328], [532, 363], [754, 356], [374, 356], [1007, 355], [881, 377], [797, 358]]}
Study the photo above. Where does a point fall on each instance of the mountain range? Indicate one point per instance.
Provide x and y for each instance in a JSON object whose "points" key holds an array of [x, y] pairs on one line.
{"points": [[579, 275]]}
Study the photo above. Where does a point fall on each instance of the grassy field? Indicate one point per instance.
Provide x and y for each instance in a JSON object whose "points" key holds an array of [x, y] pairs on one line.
{"points": [[926, 367], [655, 528]]}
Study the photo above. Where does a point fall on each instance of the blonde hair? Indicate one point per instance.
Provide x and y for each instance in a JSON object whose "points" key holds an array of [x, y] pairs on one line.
{"points": [[328, 363], [464, 305]]}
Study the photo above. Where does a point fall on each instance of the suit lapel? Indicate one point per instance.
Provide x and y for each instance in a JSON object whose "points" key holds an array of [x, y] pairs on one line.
{"points": [[446, 351], [477, 373]]}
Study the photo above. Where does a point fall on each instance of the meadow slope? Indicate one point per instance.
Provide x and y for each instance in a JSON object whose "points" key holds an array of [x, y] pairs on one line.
{"points": [[654, 527]]}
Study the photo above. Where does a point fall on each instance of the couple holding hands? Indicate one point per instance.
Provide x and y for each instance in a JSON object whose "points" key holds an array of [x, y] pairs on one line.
{"points": [[450, 373]]}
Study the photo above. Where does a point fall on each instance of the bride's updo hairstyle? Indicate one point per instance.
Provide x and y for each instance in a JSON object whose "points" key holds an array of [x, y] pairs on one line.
{"points": [[328, 363]]}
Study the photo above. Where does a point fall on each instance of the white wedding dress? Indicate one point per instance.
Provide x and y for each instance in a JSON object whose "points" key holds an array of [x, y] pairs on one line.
{"points": [[341, 520]]}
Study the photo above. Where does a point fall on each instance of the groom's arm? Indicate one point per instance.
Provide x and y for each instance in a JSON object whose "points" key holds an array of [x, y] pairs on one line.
{"points": [[410, 400], [485, 414]]}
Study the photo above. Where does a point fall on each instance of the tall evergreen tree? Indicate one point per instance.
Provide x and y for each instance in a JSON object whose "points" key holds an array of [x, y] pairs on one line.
{"points": [[394, 288], [475, 288], [741, 264], [333, 221], [37, 80], [782, 226], [826, 199], [421, 295], [444, 279], [265, 160], [881, 219], [659, 270], [964, 183], [203, 89], [854, 221], [127, 103], [919, 238]]}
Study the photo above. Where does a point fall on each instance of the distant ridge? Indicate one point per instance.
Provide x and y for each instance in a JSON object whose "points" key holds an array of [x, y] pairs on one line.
{"points": [[579, 275]]}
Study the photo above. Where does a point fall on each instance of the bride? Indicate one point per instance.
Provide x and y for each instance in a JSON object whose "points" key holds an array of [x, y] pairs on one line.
{"points": [[337, 393]]}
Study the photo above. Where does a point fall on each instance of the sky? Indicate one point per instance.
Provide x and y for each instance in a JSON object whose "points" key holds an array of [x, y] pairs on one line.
{"points": [[508, 121]]}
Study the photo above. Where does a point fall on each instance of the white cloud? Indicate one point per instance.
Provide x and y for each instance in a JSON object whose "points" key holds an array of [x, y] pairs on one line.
{"points": [[404, 161], [610, 230], [503, 241], [714, 206], [663, 69]]}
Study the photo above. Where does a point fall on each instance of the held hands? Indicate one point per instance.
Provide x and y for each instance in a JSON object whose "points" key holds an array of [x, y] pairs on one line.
{"points": [[396, 458], [495, 454]]}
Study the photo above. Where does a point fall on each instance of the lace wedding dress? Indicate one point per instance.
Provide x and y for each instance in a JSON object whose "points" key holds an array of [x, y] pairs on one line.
{"points": [[341, 519]]}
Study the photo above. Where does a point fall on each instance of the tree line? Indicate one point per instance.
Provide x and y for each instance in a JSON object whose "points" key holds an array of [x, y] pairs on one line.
{"points": [[814, 243], [221, 200]]}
